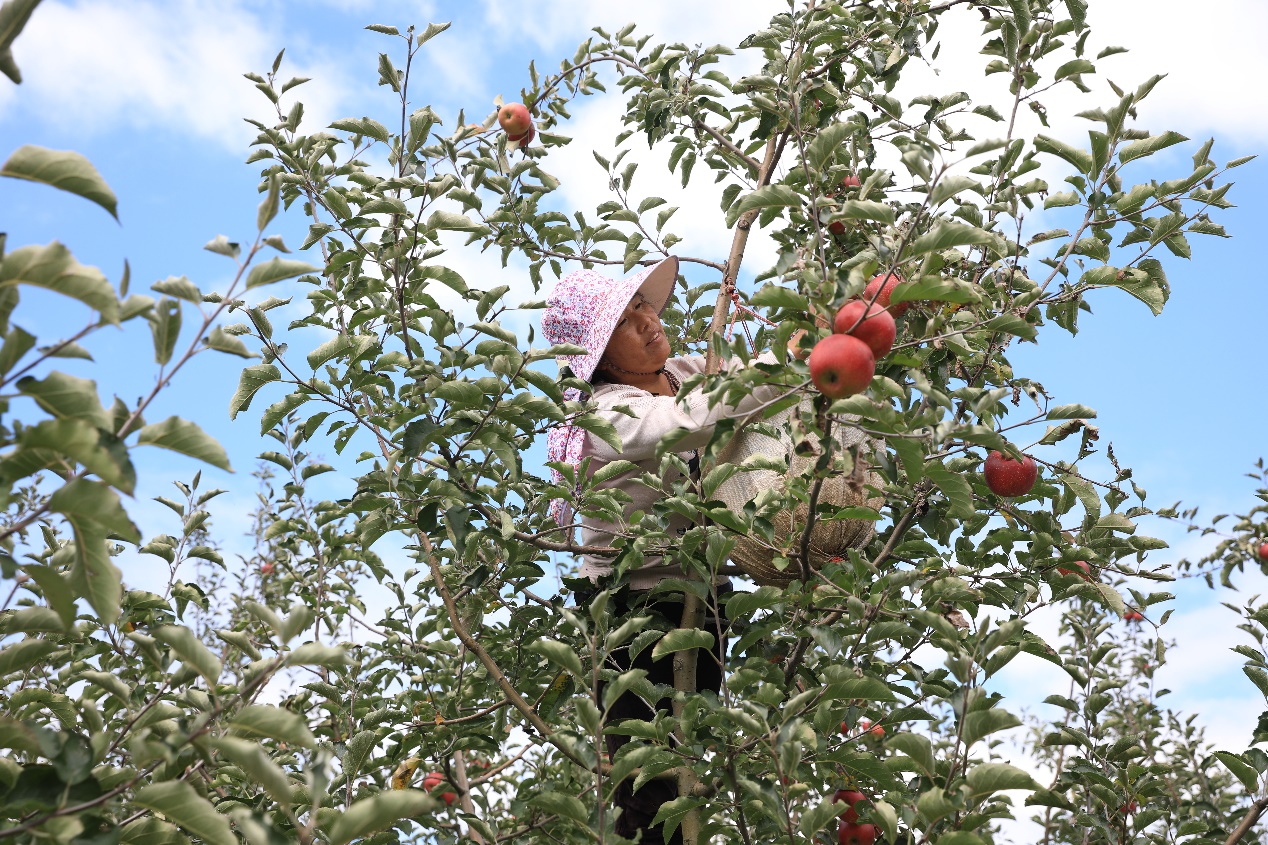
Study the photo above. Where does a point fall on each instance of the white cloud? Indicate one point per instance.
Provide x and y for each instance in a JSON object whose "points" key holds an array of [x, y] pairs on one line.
{"points": [[558, 23], [175, 66]]}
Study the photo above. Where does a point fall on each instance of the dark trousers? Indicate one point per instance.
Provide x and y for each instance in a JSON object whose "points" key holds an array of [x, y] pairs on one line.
{"points": [[639, 808]]}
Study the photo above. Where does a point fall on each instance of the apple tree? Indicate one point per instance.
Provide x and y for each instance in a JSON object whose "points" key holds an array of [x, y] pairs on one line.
{"points": [[471, 706]]}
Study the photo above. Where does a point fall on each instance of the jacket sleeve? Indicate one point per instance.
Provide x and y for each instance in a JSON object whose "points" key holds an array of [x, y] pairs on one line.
{"points": [[656, 416]]}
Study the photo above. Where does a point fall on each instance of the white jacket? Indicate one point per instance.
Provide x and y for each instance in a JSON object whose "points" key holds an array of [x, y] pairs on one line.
{"points": [[654, 417]]}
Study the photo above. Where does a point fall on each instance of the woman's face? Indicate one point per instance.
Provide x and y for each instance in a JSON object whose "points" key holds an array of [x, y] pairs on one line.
{"points": [[638, 343]]}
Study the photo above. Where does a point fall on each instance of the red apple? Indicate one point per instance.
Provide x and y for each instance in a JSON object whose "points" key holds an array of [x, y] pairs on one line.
{"points": [[877, 329], [849, 833], [866, 725], [435, 779], [1134, 616], [850, 181], [266, 569], [882, 288], [515, 119], [1007, 477], [1263, 551], [851, 797], [836, 227], [525, 139], [841, 365], [1085, 573]]}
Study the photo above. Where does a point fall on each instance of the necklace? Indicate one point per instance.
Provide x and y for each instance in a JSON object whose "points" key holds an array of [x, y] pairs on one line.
{"points": [[615, 368], [674, 384]]}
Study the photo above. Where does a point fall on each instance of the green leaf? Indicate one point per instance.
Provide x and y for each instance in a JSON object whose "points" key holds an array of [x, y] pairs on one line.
{"points": [[181, 803], [24, 654], [865, 210], [317, 654], [454, 222], [276, 269], [152, 831], [866, 688], [253, 378], [681, 639], [1071, 412], [276, 412], [559, 804], [13, 17], [1146, 287], [55, 589], [94, 513], [961, 837], [1149, 146], [827, 143], [433, 29], [955, 487], [165, 326], [63, 169], [268, 207], [339, 345], [187, 438], [947, 234], [190, 650], [218, 340], [16, 344], [1011, 324], [1072, 68], [917, 747], [817, 818], [110, 683], [1111, 598], [98, 451], [66, 397], [1242, 770], [460, 392], [949, 186], [180, 287], [53, 268], [741, 605], [777, 296], [378, 812], [1081, 159], [272, 722], [559, 654], [982, 723], [767, 196], [934, 288], [358, 750], [671, 813], [258, 765], [985, 779]]}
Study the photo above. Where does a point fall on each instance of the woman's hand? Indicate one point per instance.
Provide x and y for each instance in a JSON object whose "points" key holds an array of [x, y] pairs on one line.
{"points": [[794, 343]]}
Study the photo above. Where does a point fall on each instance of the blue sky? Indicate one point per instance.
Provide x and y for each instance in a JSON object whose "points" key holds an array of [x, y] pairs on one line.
{"points": [[153, 94]]}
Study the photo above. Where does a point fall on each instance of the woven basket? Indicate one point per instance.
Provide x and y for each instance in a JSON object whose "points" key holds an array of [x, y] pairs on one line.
{"points": [[767, 489]]}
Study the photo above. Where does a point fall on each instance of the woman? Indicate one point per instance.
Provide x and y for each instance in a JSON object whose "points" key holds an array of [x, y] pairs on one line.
{"points": [[627, 360]]}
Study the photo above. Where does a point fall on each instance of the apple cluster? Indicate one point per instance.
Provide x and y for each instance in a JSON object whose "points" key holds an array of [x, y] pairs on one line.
{"points": [[844, 362], [849, 830]]}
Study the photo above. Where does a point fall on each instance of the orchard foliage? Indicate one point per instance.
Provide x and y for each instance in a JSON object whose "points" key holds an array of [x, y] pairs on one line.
{"points": [[285, 708]]}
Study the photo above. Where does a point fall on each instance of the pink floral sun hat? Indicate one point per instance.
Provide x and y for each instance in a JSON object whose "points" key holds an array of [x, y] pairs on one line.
{"points": [[584, 309]]}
